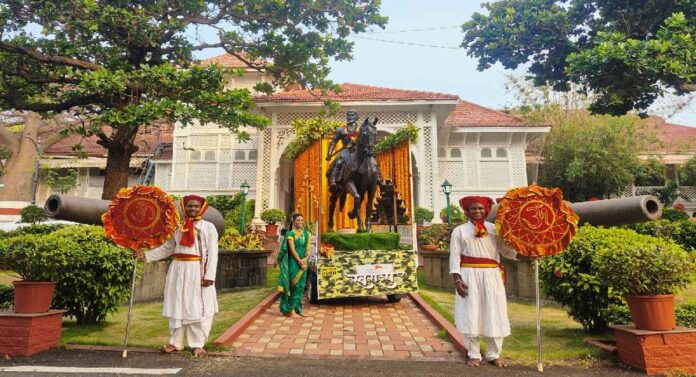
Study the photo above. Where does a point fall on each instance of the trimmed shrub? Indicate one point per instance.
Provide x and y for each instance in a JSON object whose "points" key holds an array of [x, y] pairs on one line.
{"points": [[456, 215], [33, 214], [31, 229], [362, 241], [423, 215], [686, 315], [93, 274], [672, 214], [6, 297], [224, 203], [681, 232], [272, 216]]}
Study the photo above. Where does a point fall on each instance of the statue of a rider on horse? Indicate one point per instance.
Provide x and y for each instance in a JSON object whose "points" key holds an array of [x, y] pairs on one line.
{"points": [[355, 171]]}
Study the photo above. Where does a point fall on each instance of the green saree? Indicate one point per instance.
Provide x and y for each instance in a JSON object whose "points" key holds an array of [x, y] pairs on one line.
{"points": [[291, 278]]}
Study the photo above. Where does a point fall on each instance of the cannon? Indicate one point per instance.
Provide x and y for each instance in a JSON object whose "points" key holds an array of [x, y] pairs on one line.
{"points": [[612, 212], [89, 211]]}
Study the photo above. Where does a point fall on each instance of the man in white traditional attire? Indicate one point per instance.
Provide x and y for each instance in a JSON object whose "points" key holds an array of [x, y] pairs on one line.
{"points": [[480, 307], [190, 300]]}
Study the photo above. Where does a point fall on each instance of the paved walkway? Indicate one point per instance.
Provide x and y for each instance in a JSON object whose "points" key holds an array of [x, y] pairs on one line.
{"points": [[360, 328]]}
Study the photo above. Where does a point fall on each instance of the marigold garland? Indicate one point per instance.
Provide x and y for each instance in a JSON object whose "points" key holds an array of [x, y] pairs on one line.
{"points": [[535, 221], [140, 217]]}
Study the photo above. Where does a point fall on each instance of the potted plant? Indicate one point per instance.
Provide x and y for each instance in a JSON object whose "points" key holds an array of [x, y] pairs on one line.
{"points": [[242, 260], [421, 216], [432, 237], [271, 216], [647, 271], [37, 268]]}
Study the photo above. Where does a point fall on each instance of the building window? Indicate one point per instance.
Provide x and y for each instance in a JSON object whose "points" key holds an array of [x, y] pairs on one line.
{"points": [[456, 153], [501, 153], [486, 153], [441, 153], [253, 155], [195, 156], [239, 155], [210, 156]]}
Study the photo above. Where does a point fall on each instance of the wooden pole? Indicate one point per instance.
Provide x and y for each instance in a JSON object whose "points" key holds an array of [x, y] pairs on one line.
{"points": [[130, 307]]}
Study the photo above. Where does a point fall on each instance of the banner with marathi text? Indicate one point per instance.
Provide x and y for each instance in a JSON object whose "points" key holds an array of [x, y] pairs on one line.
{"points": [[367, 273]]}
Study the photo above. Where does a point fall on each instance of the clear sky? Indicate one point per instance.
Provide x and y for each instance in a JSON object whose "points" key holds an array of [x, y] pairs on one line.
{"points": [[445, 70]]}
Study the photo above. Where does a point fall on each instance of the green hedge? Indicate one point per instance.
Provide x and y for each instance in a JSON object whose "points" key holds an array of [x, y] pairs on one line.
{"points": [[6, 296], [31, 229], [93, 274], [681, 232], [362, 241]]}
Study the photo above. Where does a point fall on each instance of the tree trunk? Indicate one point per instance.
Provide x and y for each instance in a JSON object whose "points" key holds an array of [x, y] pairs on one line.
{"points": [[117, 166], [20, 167]]}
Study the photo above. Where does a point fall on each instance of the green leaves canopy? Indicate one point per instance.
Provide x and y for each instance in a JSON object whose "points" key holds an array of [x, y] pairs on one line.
{"points": [[625, 52]]}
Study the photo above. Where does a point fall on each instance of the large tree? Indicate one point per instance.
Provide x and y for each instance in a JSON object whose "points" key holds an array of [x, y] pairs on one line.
{"points": [[626, 52], [121, 64]]}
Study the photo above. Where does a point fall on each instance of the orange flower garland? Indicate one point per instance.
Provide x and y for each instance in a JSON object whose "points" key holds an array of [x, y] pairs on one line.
{"points": [[140, 217], [535, 221]]}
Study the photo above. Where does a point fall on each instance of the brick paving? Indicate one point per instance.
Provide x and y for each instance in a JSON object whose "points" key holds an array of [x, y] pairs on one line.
{"points": [[359, 328]]}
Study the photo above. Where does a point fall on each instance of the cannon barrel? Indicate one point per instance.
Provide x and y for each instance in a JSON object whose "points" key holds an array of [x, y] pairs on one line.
{"points": [[89, 211], [611, 212]]}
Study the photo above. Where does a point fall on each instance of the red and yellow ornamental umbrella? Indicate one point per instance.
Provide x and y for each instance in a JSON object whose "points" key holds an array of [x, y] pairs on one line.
{"points": [[535, 221], [140, 217]]}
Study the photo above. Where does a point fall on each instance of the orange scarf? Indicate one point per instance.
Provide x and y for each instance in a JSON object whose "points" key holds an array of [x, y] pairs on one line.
{"points": [[479, 228], [188, 231]]}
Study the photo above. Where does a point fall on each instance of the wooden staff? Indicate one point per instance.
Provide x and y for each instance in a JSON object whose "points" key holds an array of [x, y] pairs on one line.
{"points": [[130, 307]]}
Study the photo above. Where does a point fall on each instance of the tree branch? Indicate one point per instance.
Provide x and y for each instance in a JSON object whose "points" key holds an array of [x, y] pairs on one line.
{"points": [[17, 103], [35, 55], [9, 138]]}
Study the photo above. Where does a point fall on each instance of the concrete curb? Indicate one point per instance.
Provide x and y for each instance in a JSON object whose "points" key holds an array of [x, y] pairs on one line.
{"points": [[229, 336], [454, 335]]}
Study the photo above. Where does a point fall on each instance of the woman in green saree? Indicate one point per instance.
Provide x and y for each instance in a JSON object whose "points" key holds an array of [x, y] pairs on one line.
{"points": [[292, 261]]}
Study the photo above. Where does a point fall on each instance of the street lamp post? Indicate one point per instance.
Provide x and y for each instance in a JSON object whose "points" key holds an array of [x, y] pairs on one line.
{"points": [[245, 191], [447, 189]]}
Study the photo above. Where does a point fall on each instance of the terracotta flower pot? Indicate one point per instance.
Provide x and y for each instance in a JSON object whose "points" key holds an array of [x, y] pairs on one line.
{"points": [[33, 296], [429, 247], [655, 313], [272, 229]]}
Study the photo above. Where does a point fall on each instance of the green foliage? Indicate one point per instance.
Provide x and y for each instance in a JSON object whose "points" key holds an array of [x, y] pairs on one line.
{"points": [[232, 240], [362, 241], [651, 172], [61, 180], [272, 216], [682, 232], [408, 132], [32, 214], [233, 217], [307, 131], [456, 214], [93, 274], [436, 234], [687, 172], [625, 53], [224, 203], [5, 155], [37, 229], [686, 314], [423, 215], [6, 297], [573, 280], [672, 214], [591, 156], [644, 265], [669, 193], [127, 64]]}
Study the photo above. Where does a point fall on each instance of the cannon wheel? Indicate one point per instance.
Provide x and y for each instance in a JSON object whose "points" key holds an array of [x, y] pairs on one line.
{"points": [[393, 298], [312, 288]]}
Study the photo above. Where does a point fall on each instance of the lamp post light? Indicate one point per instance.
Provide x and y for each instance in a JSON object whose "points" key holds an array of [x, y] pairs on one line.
{"points": [[245, 190], [447, 189]]}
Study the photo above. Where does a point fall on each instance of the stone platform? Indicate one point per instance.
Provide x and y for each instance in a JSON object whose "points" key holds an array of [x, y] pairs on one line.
{"points": [[657, 352], [360, 328], [28, 334]]}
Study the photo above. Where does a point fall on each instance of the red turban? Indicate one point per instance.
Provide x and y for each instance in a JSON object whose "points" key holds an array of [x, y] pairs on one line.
{"points": [[188, 235], [467, 201]]}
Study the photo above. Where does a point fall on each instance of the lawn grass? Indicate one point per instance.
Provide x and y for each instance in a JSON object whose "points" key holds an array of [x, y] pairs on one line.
{"points": [[7, 277], [561, 336], [149, 327]]}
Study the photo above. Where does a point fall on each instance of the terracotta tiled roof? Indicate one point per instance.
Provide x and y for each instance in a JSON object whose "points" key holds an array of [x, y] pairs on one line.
{"points": [[227, 61], [357, 92], [673, 138], [468, 114], [146, 142]]}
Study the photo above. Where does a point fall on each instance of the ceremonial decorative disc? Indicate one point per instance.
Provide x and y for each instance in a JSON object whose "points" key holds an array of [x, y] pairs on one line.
{"points": [[535, 221], [140, 217]]}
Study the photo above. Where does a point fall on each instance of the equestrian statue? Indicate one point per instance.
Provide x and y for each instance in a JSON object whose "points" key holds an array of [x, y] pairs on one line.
{"points": [[355, 171]]}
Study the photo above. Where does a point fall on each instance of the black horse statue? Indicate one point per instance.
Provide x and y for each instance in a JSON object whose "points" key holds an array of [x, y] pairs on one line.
{"points": [[360, 178]]}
